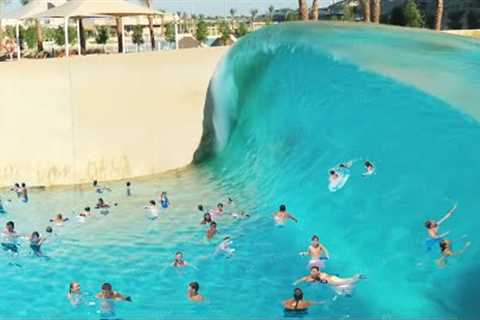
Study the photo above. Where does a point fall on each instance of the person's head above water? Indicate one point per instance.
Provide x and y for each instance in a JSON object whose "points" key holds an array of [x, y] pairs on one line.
{"points": [[283, 208], [59, 216], [17, 185], [220, 206], [23, 185], [314, 270], [107, 287], [333, 172], [429, 224], [87, 209], [200, 207], [95, 183], [213, 224], [35, 235], [444, 245], [128, 184], [297, 294], [100, 200], [193, 287], [368, 164], [49, 229], [74, 287], [10, 225], [179, 255], [152, 202]]}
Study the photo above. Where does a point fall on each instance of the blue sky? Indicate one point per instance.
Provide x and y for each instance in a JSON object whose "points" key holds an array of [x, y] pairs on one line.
{"points": [[214, 7]]}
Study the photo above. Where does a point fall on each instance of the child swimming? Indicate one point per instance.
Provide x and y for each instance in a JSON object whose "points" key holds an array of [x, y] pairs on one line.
{"points": [[36, 244], [282, 216], [317, 253]]}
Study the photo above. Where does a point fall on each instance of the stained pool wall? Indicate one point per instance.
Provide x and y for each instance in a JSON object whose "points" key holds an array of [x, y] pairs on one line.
{"points": [[69, 121]]}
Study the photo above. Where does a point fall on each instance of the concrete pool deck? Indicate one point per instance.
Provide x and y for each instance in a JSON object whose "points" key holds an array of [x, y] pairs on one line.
{"points": [[105, 117]]}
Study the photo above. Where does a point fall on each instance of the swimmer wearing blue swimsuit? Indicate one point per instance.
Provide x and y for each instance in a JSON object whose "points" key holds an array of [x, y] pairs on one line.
{"points": [[36, 244], [164, 202]]}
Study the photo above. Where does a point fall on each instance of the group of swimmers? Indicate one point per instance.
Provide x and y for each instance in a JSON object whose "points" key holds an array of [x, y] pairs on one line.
{"points": [[435, 237], [318, 253], [339, 175]]}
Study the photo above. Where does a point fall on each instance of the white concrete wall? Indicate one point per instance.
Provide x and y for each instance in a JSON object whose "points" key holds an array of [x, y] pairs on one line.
{"points": [[106, 117]]}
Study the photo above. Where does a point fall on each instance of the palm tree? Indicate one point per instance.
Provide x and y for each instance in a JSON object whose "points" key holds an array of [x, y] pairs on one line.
{"points": [[148, 3], [439, 15], [119, 27], [366, 10], [253, 14], [377, 10], [232, 13], [314, 13], [2, 3], [271, 11], [38, 29], [303, 10]]}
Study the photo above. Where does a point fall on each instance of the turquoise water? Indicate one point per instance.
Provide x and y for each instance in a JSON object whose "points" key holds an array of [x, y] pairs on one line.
{"points": [[285, 105]]}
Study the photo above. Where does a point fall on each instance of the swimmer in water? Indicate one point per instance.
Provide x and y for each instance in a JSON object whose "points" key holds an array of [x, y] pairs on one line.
{"points": [[334, 177], [17, 189], [240, 216], [212, 230], [433, 226], [74, 294], [317, 253], [446, 251], [152, 210], [129, 190], [217, 212], [282, 216], [314, 276], [224, 247], [100, 189], [87, 212], [298, 304], [24, 193], [36, 244], [207, 218], [9, 238], [201, 208], [49, 230], [369, 169], [164, 202], [341, 286], [101, 204], [179, 261], [108, 293], [59, 220], [193, 294]]}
